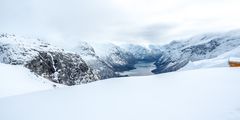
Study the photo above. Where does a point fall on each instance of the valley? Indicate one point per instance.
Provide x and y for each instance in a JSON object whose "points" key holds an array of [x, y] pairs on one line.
{"points": [[141, 69]]}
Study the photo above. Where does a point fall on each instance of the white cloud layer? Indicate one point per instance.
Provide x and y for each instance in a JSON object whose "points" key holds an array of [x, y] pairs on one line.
{"points": [[118, 21]]}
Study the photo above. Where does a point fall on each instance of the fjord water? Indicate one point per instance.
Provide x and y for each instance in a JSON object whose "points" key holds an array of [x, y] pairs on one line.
{"points": [[142, 69]]}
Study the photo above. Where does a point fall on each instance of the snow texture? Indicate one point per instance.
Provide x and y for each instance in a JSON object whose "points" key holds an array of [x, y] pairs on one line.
{"points": [[177, 54], [16, 80], [220, 61], [206, 94]]}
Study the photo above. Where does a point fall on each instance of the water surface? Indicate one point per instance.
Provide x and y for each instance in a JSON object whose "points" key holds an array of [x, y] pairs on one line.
{"points": [[142, 69]]}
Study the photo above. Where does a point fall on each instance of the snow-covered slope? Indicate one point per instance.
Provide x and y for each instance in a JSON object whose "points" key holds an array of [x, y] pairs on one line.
{"points": [[141, 53], [99, 66], [19, 50], [16, 80], [116, 57], [45, 60], [220, 61], [207, 94], [177, 54]]}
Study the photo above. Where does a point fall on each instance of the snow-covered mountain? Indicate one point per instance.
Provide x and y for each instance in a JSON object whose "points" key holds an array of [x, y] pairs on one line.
{"points": [[19, 50], [220, 61], [90, 62], [79, 65], [142, 53], [99, 66], [183, 95], [45, 60], [115, 56], [177, 54]]}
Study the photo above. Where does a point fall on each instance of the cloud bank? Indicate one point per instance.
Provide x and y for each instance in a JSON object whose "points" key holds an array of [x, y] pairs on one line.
{"points": [[118, 21]]}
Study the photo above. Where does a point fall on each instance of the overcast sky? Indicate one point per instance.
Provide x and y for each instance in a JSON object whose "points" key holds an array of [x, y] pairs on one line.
{"points": [[117, 21]]}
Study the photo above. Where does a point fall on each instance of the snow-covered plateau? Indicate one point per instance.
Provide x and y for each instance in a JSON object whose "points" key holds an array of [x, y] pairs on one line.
{"points": [[203, 94]]}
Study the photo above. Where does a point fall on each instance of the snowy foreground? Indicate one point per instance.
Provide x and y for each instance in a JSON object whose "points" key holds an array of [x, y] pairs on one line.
{"points": [[205, 94], [16, 79]]}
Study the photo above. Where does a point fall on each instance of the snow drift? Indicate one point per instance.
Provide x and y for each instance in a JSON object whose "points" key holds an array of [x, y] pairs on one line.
{"points": [[16, 80], [206, 94]]}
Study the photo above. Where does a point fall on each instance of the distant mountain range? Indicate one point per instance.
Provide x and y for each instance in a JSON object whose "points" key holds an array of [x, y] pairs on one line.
{"points": [[87, 63], [177, 54]]}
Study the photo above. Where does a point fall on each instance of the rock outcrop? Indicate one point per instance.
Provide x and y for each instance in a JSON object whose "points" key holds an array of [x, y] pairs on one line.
{"points": [[45, 60], [63, 68]]}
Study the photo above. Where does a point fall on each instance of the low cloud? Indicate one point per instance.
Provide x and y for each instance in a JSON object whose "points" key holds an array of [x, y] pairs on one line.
{"points": [[118, 21], [154, 32]]}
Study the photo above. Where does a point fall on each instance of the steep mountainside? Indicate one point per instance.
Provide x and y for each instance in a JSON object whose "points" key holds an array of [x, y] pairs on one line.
{"points": [[89, 62], [99, 66], [116, 57], [178, 53], [45, 60], [220, 61], [142, 53], [19, 50]]}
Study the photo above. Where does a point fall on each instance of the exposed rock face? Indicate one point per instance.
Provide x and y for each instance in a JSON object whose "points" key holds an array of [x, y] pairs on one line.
{"points": [[64, 68], [84, 49], [45, 60], [120, 60], [168, 64], [141, 53], [116, 57], [87, 64], [99, 66]]}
